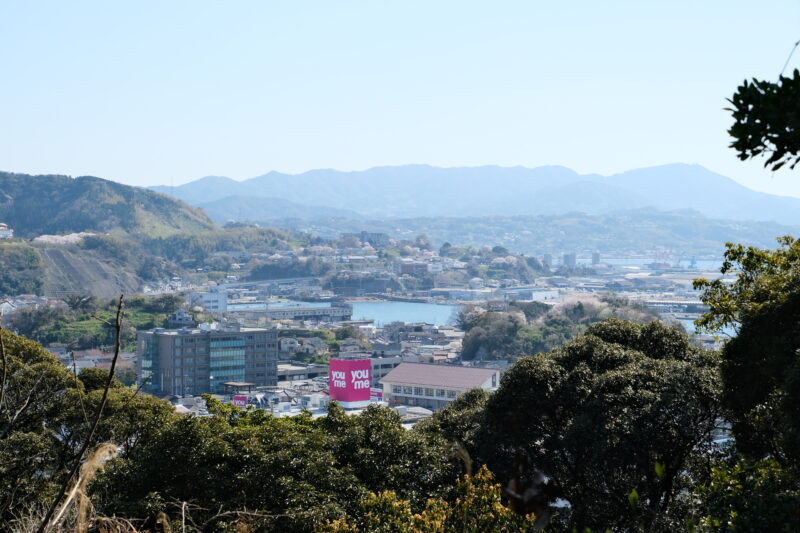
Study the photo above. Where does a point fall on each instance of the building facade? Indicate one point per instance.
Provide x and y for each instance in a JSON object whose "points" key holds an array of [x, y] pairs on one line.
{"points": [[433, 386], [214, 301], [377, 240], [6, 232], [186, 362]]}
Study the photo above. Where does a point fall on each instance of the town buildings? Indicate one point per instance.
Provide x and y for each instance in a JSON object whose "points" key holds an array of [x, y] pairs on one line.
{"points": [[6, 232], [378, 240], [433, 386], [192, 361]]}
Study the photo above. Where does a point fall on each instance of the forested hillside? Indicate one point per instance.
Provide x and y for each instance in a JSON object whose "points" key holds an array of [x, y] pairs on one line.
{"points": [[106, 265], [642, 229], [52, 204], [135, 236]]}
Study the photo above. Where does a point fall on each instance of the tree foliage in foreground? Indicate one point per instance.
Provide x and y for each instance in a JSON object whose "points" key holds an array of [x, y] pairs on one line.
{"points": [[615, 414], [767, 120], [477, 506], [292, 473], [746, 497], [760, 366], [44, 419]]}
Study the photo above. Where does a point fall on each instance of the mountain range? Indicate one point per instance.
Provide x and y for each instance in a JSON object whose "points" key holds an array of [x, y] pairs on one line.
{"points": [[426, 191], [253, 208]]}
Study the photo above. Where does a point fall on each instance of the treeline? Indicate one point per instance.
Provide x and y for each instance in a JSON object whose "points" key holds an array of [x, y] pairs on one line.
{"points": [[193, 249], [76, 326], [533, 327], [21, 267], [291, 268]]}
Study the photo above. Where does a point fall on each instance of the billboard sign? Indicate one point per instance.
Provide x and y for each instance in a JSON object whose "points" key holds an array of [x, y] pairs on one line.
{"points": [[376, 393], [240, 401], [350, 380]]}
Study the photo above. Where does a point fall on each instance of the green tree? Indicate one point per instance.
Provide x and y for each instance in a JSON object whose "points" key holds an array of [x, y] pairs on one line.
{"points": [[760, 367], [23, 272], [386, 456], [45, 413], [747, 498], [289, 474], [767, 120], [459, 423], [477, 507], [620, 409], [33, 387]]}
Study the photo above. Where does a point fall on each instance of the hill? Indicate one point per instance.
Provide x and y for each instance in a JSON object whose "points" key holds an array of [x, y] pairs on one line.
{"points": [[250, 208], [630, 231], [52, 204], [424, 191]]}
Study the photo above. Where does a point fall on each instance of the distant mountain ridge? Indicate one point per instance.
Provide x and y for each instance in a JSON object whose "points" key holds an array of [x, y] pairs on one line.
{"points": [[422, 190], [55, 204], [260, 209]]}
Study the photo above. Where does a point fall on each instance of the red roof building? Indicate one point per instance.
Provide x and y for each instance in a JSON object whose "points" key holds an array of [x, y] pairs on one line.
{"points": [[434, 386]]}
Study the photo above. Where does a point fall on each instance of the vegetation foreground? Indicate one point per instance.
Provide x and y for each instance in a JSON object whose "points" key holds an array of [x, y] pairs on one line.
{"points": [[610, 432]]}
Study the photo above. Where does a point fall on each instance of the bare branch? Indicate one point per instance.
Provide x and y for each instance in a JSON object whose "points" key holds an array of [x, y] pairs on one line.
{"points": [[103, 320], [117, 333], [5, 367]]}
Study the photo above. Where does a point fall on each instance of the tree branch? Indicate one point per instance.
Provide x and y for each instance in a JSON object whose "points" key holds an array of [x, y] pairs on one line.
{"points": [[13, 420], [5, 368], [117, 330]]}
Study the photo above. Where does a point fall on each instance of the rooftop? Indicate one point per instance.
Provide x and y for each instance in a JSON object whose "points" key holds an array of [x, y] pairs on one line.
{"points": [[456, 377]]}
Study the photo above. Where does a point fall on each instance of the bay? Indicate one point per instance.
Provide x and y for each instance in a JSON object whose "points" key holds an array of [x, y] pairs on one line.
{"points": [[385, 312]]}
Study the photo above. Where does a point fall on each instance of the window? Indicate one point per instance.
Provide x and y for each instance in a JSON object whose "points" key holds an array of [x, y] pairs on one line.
{"points": [[418, 391], [407, 390], [440, 392], [451, 394], [397, 389], [428, 392]]}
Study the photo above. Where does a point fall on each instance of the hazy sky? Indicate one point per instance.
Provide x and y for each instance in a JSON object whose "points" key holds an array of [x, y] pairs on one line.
{"points": [[159, 92]]}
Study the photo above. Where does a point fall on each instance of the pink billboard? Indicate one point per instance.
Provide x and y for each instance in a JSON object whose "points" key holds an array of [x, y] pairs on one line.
{"points": [[240, 401], [350, 380]]}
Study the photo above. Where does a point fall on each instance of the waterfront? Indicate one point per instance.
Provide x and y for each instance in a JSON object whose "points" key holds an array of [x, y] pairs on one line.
{"points": [[385, 312]]}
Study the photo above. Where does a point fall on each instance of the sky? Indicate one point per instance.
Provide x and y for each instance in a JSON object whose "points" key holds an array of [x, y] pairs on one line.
{"points": [[150, 93]]}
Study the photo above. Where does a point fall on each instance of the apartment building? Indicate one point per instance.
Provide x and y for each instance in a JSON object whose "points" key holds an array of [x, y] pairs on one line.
{"points": [[201, 360]]}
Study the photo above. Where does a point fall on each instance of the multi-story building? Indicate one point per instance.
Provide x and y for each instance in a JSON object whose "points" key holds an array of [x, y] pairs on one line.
{"points": [[6, 232], [200, 360], [378, 240], [215, 300], [433, 386]]}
